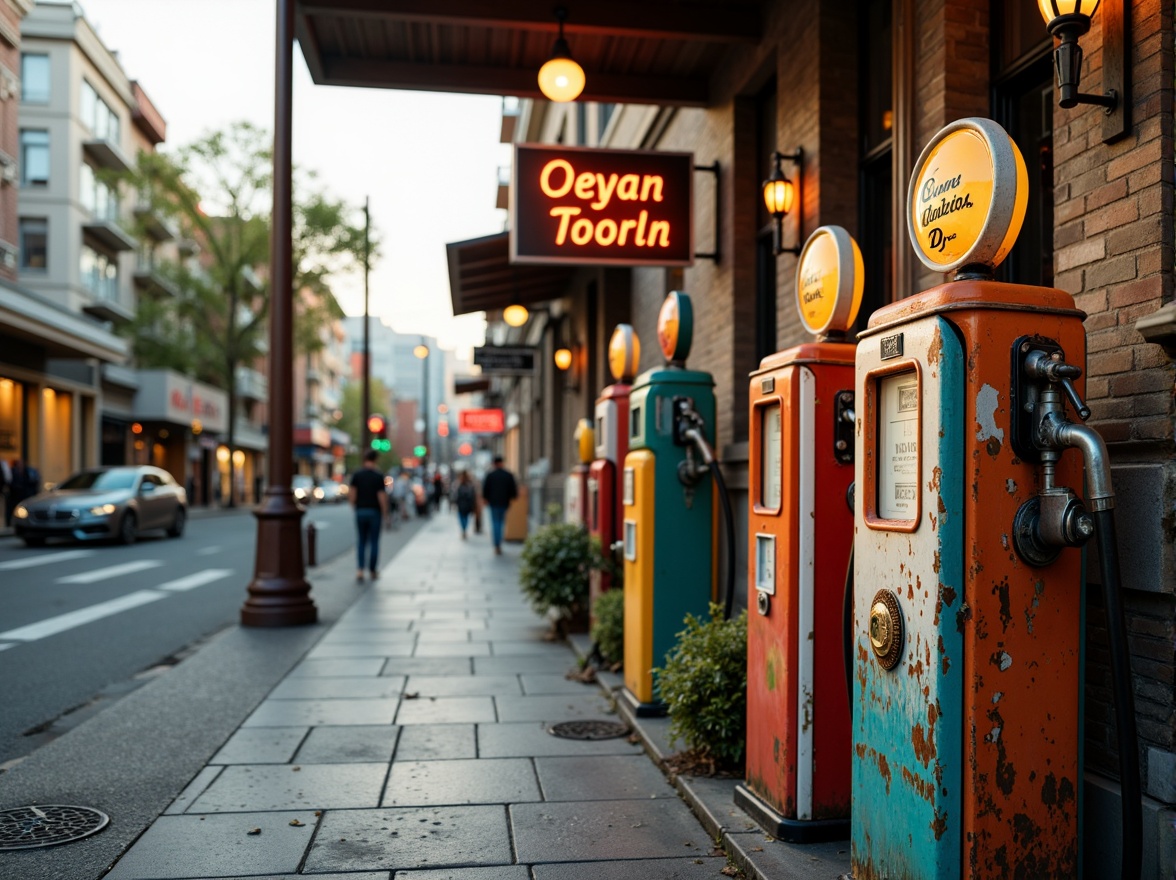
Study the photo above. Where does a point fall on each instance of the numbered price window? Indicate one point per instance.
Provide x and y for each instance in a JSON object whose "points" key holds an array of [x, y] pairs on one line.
{"points": [[770, 463], [898, 448]]}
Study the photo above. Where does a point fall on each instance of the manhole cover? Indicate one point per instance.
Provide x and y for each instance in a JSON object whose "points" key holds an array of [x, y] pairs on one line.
{"points": [[588, 729], [34, 827]]}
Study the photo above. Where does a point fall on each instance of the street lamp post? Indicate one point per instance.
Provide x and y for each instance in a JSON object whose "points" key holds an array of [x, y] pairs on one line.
{"points": [[422, 352]]}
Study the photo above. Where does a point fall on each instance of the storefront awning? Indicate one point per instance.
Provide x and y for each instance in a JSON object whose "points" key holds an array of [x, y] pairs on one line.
{"points": [[481, 277], [651, 52]]}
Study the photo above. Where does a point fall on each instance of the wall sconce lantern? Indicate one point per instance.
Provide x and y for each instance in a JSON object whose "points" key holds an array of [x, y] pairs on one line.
{"points": [[515, 315], [779, 196], [1068, 20], [561, 79]]}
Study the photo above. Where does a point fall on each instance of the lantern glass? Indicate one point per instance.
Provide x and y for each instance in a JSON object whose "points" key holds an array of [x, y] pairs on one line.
{"points": [[421, 351], [1051, 9], [561, 79], [563, 358], [515, 315], [778, 195]]}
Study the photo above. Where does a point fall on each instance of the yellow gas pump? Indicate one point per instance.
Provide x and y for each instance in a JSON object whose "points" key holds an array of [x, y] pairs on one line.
{"points": [[576, 488], [967, 616]]}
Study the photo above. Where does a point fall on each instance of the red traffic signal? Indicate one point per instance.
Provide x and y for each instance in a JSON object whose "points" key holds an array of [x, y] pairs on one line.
{"points": [[376, 425]]}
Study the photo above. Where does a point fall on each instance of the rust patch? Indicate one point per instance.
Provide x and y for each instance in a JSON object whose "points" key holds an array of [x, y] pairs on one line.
{"points": [[884, 771], [936, 478], [949, 594], [992, 447], [935, 349], [939, 824], [1001, 591], [924, 745], [921, 787], [963, 616], [935, 564]]}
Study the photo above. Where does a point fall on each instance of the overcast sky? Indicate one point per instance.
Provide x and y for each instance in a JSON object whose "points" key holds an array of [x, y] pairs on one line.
{"points": [[427, 161]]}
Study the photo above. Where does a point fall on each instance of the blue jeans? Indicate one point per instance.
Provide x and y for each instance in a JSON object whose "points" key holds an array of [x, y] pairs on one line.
{"points": [[497, 524], [463, 520], [367, 524]]}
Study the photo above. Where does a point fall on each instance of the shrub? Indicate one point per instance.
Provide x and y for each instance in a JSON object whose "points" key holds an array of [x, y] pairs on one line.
{"points": [[608, 632], [553, 575], [704, 686]]}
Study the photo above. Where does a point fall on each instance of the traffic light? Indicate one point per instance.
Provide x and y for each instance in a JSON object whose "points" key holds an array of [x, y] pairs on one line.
{"points": [[378, 428], [443, 429], [419, 451]]}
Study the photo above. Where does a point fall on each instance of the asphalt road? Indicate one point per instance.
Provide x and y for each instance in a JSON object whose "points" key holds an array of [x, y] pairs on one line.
{"points": [[83, 624]]}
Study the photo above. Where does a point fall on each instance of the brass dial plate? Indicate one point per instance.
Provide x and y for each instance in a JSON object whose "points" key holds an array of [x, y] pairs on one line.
{"points": [[885, 628]]}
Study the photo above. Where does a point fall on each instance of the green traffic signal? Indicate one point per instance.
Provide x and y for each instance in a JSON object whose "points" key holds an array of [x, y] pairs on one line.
{"points": [[419, 451], [381, 445]]}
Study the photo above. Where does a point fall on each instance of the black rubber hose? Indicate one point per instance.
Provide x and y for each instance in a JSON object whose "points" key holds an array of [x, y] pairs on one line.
{"points": [[1108, 556], [847, 628], [729, 599]]}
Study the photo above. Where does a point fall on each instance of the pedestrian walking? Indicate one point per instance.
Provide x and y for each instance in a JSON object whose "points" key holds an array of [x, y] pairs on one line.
{"points": [[499, 489], [465, 498], [370, 502], [438, 491]]}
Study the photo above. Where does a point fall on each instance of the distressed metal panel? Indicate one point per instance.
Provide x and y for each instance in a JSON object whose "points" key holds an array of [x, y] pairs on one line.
{"points": [[908, 721]]}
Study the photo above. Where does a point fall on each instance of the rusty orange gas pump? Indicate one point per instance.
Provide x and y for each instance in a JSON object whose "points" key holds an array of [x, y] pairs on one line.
{"points": [[968, 595], [576, 485], [801, 531], [605, 509]]}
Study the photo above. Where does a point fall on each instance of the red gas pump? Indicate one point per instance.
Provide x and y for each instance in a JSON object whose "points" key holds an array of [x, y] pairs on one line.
{"points": [[801, 531], [605, 500]]}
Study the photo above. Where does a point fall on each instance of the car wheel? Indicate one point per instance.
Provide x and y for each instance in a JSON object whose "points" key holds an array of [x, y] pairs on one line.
{"points": [[128, 529], [34, 542], [177, 526]]}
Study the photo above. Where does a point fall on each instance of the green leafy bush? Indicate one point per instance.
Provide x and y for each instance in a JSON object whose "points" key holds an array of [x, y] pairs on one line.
{"points": [[608, 632], [704, 686], [553, 575]]}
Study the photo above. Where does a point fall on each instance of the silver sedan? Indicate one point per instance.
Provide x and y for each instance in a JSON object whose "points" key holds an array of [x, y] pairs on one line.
{"points": [[116, 502]]}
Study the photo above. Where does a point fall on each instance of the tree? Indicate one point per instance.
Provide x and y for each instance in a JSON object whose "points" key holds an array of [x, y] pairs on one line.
{"points": [[218, 191], [353, 416]]}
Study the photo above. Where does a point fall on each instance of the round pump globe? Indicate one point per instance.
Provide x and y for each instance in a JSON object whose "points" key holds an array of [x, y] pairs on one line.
{"points": [[1052, 9], [561, 79]]}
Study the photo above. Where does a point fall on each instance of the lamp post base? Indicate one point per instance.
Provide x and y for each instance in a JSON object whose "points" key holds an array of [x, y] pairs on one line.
{"points": [[279, 594]]}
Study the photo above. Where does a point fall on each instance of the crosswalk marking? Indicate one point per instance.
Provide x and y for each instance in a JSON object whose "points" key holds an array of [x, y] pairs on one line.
{"points": [[101, 574], [62, 622], [209, 551], [44, 559], [198, 579]]}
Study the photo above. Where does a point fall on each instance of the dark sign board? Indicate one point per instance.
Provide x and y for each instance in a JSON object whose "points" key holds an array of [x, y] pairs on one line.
{"points": [[480, 421], [500, 359], [612, 207]]}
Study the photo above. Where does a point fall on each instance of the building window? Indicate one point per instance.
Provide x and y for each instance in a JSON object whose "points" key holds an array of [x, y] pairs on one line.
{"points": [[877, 174], [96, 114], [99, 274], [34, 157], [34, 78], [34, 243], [98, 197]]}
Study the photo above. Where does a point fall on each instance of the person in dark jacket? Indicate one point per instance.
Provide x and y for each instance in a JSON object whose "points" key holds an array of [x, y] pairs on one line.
{"points": [[498, 491], [370, 502], [465, 498]]}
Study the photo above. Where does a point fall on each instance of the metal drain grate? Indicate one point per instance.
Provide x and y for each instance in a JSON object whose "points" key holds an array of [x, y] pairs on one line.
{"points": [[588, 729], [35, 827]]}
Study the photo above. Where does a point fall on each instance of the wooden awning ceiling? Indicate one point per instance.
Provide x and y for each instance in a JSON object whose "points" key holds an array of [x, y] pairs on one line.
{"points": [[481, 277], [632, 51]]}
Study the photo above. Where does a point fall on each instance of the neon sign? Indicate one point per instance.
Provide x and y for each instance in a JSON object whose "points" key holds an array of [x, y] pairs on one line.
{"points": [[614, 207]]}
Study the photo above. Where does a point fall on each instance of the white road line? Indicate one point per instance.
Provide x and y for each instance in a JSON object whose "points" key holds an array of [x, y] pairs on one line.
{"points": [[62, 622], [101, 574], [209, 551], [44, 559], [198, 579]]}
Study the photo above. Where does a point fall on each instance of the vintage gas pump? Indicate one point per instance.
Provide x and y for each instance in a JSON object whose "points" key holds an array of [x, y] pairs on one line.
{"points": [[605, 509], [801, 532], [576, 485], [967, 616], [669, 515]]}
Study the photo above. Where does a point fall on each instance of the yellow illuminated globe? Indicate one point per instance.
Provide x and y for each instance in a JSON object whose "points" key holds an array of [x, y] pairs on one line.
{"points": [[1051, 9], [515, 315], [561, 79]]}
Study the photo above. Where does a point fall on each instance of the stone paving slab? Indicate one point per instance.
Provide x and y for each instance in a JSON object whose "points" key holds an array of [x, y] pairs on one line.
{"points": [[402, 648], [338, 668], [552, 708], [518, 664], [554, 684], [463, 685], [702, 866], [605, 831], [530, 739], [261, 745], [247, 788], [432, 742], [446, 710], [297, 713], [428, 666], [479, 781], [387, 687], [503, 872], [218, 846], [453, 649], [404, 838], [348, 745], [601, 778]]}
